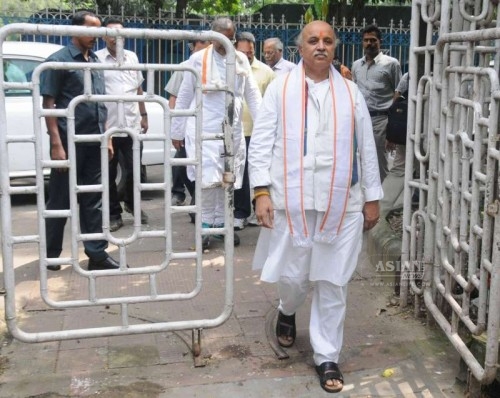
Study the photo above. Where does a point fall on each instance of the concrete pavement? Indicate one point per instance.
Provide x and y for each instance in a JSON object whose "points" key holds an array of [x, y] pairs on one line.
{"points": [[380, 338]]}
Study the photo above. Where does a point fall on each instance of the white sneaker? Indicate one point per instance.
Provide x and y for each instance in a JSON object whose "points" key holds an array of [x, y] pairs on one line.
{"points": [[252, 220], [239, 224]]}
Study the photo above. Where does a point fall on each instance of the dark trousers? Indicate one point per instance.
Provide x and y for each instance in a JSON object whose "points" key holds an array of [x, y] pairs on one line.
{"points": [[88, 168], [122, 147], [242, 202], [180, 179]]}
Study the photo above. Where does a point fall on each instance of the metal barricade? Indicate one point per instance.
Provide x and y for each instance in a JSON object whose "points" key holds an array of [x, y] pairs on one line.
{"points": [[98, 291], [451, 241]]}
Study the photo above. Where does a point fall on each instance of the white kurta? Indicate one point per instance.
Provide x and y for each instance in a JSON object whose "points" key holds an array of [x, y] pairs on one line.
{"points": [[213, 116], [335, 262]]}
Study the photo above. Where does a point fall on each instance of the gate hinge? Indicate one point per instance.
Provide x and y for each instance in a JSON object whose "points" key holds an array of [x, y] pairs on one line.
{"points": [[493, 208]]}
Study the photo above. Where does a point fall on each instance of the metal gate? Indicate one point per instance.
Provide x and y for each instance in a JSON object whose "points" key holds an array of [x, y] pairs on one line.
{"points": [[125, 289], [451, 239]]}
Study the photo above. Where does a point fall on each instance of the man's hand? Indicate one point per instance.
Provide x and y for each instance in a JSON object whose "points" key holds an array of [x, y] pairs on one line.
{"points": [[264, 211], [111, 150], [144, 124], [178, 144], [57, 152], [372, 215], [390, 146]]}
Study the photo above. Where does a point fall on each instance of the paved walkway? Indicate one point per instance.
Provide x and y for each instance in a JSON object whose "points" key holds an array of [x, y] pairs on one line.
{"points": [[236, 358]]}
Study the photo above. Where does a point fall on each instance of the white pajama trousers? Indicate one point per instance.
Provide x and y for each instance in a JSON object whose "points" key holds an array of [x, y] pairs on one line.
{"points": [[212, 206], [328, 309]]}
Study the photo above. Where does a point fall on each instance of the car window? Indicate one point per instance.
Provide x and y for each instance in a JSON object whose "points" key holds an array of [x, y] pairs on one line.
{"points": [[18, 71]]}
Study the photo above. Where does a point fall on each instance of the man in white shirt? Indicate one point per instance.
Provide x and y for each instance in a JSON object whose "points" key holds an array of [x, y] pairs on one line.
{"points": [[313, 166], [263, 74], [135, 117], [273, 55], [211, 64]]}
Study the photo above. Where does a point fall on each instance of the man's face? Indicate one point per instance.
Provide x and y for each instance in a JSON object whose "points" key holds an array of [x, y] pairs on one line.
{"points": [[86, 42], [111, 41], [271, 54], [246, 48], [200, 45], [229, 33], [318, 45], [371, 44]]}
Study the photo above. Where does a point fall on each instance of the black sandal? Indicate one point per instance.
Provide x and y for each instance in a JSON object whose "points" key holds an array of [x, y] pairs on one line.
{"points": [[330, 371], [285, 327]]}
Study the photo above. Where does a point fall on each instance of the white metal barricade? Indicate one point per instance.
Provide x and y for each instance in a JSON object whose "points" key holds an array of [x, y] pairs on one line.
{"points": [[98, 292], [452, 161]]}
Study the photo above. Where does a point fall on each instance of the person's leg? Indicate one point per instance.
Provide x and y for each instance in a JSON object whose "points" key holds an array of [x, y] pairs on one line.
{"points": [[58, 199], [326, 331], [242, 203], [393, 185], [292, 293], [379, 133], [128, 165], [326, 328], [89, 173], [179, 176], [128, 157], [218, 213], [115, 209]]}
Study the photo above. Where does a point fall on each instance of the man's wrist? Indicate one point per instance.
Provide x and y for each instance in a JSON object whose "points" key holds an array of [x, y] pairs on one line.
{"points": [[144, 114]]}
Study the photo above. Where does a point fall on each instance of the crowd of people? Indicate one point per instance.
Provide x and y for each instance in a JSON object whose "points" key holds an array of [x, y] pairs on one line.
{"points": [[309, 156]]}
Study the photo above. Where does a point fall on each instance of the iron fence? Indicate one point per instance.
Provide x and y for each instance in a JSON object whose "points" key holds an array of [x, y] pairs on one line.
{"points": [[395, 38]]}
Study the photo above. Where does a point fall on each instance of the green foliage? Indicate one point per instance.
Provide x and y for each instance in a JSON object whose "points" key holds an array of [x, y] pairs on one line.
{"points": [[318, 11], [215, 7]]}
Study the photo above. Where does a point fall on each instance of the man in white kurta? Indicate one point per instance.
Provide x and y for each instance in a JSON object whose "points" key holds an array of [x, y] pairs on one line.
{"points": [[313, 165], [211, 63]]}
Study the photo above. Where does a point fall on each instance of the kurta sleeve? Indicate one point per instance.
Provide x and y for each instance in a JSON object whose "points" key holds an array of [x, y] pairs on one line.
{"points": [[370, 176], [264, 134], [184, 99]]}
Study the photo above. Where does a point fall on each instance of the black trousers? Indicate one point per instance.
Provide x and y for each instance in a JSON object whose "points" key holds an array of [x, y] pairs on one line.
{"points": [[180, 178], [88, 168], [242, 201], [122, 147]]}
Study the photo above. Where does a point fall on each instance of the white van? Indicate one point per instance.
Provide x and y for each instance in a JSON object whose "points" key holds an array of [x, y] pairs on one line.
{"points": [[20, 58]]}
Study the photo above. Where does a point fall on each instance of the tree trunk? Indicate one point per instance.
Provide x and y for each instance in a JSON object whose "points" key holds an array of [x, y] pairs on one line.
{"points": [[180, 7]]}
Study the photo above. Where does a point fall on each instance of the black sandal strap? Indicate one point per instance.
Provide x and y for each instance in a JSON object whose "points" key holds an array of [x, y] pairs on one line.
{"points": [[329, 371], [285, 325]]}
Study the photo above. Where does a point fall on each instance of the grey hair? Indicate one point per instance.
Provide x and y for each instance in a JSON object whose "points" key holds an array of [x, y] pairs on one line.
{"points": [[221, 24], [277, 43]]}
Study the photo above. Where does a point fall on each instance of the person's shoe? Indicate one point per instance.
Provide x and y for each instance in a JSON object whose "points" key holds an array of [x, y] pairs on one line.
{"points": [[107, 263], [54, 267], [144, 216], [177, 201], [115, 224], [252, 220], [239, 224], [236, 239]]}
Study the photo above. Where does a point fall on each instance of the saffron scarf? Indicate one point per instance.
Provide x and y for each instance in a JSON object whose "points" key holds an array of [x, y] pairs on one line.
{"points": [[294, 119], [210, 73]]}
